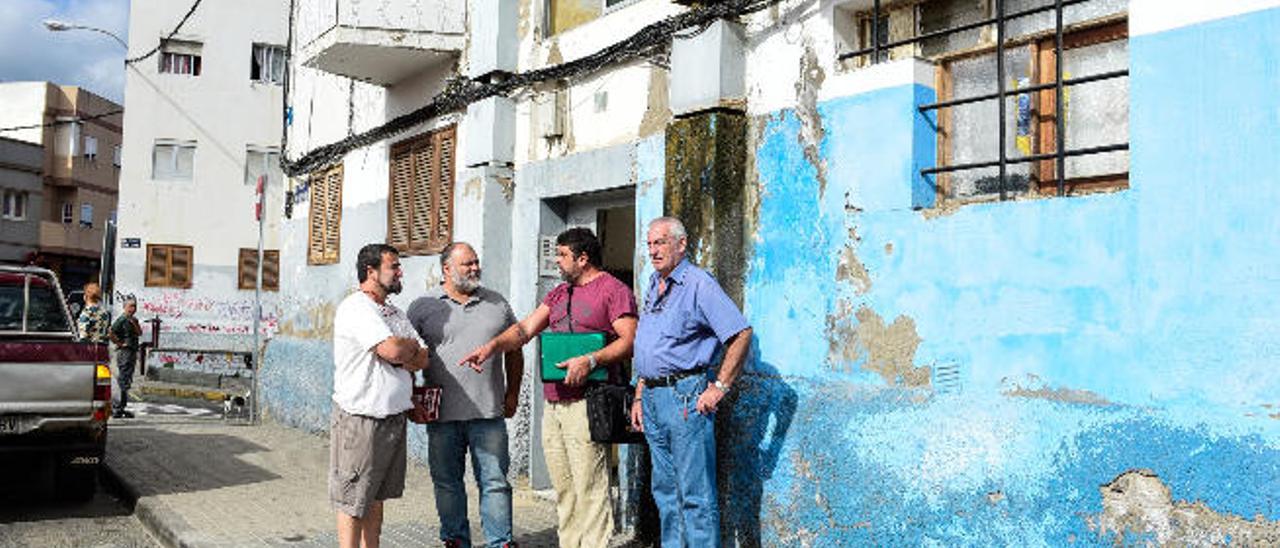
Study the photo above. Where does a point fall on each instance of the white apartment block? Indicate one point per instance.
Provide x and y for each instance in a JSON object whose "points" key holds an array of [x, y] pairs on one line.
{"points": [[206, 125]]}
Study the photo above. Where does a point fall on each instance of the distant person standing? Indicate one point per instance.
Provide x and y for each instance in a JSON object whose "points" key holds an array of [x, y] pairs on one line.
{"points": [[124, 334], [375, 351], [474, 405], [94, 322]]}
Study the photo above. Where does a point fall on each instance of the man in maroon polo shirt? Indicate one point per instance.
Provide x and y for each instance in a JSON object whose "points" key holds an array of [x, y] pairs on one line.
{"points": [[590, 300]]}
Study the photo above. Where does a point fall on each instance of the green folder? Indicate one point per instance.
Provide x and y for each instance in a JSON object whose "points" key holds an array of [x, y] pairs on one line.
{"points": [[558, 347]]}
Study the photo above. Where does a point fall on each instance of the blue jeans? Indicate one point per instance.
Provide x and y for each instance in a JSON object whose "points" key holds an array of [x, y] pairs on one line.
{"points": [[682, 445], [447, 444]]}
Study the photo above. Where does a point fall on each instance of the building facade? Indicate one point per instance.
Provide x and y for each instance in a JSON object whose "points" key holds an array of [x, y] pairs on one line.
{"points": [[977, 321], [207, 126], [80, 133], [22, 193]]}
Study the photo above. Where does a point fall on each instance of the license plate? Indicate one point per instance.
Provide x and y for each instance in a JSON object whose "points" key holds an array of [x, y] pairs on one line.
{"points": [[10, 424]]}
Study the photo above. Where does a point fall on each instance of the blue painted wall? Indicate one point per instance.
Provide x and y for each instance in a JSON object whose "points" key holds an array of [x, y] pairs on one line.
{"points": [[1063, 342]]}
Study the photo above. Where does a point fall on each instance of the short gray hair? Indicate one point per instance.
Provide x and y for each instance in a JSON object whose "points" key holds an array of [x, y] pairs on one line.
{"points": [[675, 228]]}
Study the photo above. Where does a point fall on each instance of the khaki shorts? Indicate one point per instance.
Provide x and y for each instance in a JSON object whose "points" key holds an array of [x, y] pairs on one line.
{"points": [[366, 460]]}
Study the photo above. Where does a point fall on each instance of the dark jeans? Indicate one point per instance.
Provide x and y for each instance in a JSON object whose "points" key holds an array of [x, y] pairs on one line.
{"points": [[126, 360]]}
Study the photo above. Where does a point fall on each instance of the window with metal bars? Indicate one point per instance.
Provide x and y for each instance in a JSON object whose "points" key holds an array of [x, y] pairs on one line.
{"points": [[324, 234], [248, 269], [169, 265], [1005, 68], [420, 194]]}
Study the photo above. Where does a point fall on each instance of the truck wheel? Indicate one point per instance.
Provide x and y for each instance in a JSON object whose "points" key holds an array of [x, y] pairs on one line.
{"points": [[76, 483]]}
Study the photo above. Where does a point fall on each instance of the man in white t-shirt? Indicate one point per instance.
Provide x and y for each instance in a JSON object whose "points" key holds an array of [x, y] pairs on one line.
{"points": [[375, 351]]}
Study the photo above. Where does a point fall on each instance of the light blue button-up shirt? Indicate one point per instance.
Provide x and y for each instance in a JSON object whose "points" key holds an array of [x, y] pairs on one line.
{"points": [[684, 327]]}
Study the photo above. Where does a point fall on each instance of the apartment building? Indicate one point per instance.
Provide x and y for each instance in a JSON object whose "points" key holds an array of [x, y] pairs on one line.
{"points": [[207, 125], [1007, 263], [80, 134]]}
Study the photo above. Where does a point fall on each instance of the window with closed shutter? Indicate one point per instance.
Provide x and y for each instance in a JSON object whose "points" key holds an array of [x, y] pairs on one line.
{"points": [[248, 271], [169, 265], [326, 216], [420, 194]]}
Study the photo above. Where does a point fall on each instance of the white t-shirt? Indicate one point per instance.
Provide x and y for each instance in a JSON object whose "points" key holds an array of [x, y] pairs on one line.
{"points": [[363, 383]]}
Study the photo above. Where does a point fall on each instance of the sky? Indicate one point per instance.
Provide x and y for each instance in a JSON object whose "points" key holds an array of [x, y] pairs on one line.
{"points": [[29, 52]]}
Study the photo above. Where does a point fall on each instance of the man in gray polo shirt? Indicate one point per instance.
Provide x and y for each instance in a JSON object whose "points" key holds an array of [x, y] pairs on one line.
{"points": [[474, 402]]}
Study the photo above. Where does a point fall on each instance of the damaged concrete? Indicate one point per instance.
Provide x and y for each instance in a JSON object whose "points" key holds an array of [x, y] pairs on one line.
{"points": [[1032, 387], [887, 350], [315, 323], [850, 269], [811, 129], [1138, 506], [658, 111]]}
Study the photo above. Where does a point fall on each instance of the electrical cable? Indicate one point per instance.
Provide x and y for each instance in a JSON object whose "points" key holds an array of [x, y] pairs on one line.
{"points": [[153, 51], [56, 122]]}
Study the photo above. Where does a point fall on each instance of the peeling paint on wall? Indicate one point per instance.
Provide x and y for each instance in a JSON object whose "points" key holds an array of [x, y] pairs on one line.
{"points": [[1138, 508], [315, 322], [658, 111], [887, 350], [1034, 387], [812, 132], [850, 269]]}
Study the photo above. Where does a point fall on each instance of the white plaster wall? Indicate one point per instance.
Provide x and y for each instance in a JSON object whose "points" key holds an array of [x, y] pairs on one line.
{"points": [[224, 112], [23, 104]]}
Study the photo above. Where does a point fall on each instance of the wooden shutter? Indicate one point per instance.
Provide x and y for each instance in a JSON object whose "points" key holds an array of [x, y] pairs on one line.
{"points": [[333, 216], [424, 164], [324, 232], [442, 216], [271, 270], [180, 266], [249, 269], [400, 196], [315, 235], [157, 265]]}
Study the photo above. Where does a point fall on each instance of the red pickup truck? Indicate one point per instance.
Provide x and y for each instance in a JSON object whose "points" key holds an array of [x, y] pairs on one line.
{"points": [[55, 390]]}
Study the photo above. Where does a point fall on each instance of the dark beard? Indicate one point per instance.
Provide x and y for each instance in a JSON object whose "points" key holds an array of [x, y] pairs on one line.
{"points": [[392, 289]]}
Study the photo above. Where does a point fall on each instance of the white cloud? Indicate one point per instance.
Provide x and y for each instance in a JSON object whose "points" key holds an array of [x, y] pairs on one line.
{"points": [[29, 52]]}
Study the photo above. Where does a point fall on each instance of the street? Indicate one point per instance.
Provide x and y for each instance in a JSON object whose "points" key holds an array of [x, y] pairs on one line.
{"points": [[30, 517]]}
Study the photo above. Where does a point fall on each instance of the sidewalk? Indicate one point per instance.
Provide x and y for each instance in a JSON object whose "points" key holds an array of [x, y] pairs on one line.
{"points": [[208, 483]]}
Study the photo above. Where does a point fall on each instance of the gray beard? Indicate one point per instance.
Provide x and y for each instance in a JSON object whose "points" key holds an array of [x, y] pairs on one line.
{"points": [[466, 285]]}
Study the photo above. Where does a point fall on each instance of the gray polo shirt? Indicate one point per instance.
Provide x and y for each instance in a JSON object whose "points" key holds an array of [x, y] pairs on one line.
{"points": [[453, 330]]}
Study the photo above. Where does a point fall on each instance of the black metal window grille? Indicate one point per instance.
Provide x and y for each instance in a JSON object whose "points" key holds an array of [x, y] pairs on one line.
{"points": [[1061, 152]]}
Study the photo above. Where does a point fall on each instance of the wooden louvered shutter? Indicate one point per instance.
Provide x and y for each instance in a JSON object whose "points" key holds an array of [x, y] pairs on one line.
{"points": [[157, 265], [315, 237], [424, 159], [180, 266], [271, 270], [400, 197], [248, 268], [442, 190], [333, 215]]}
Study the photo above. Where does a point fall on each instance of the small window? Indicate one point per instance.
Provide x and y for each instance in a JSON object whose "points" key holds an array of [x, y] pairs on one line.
{"points": [[180, 57], [270, 269], [15, 205], [115, 156], [262, 161], [68, 213], [173, 160], [90, 147], [324, 236], [86, 215], [169, 266], [267, 64], [420, 200]]}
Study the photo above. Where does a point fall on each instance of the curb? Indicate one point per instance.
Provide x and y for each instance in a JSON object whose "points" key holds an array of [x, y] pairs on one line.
{"points": [[165, 525], [209, 394]]}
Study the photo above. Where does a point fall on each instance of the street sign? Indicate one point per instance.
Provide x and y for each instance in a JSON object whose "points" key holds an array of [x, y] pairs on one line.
{"points": [[131, 243]]}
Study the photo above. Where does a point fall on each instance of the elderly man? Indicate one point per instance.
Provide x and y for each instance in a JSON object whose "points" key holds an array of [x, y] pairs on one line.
{"points": [[124, 334], [685, 320], [374, 352], [454, 319], [590, 300]]}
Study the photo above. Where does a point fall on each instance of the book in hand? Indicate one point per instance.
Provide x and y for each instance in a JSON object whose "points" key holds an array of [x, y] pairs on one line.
{"points": [[558, 347]]}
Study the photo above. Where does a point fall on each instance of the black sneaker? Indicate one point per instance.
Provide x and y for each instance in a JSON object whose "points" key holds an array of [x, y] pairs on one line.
{"points": [[122, 414]]}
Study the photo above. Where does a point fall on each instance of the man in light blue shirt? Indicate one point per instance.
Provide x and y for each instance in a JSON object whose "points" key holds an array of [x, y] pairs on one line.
{"points": [[685, 322]]}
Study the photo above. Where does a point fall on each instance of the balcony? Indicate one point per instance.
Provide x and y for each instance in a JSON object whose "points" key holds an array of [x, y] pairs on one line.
{"points": [[70, 238], [380, 41]]}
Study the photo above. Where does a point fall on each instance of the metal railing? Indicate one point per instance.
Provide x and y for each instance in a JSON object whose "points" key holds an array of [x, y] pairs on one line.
{"points": [[1061, 153]]}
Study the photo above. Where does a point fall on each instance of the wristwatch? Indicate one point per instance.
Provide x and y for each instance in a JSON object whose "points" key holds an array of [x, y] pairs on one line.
{"points": [[721, 386], [591, 360]]}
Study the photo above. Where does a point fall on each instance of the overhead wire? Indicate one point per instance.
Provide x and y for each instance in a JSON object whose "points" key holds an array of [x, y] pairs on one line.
{"points": [[170, 36]]}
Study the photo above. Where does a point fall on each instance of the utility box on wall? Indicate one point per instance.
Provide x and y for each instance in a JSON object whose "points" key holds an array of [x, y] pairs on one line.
{"points": [[708, 69]]}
